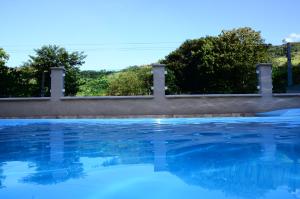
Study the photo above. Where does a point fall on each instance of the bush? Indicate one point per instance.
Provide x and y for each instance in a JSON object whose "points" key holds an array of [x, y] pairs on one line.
{"points": [[131, 81]]}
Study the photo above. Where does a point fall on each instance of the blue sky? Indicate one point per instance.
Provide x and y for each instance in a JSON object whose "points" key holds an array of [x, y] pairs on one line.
{"points": [[115, 34]]}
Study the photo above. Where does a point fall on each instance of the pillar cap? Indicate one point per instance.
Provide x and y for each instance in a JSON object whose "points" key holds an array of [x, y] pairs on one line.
{"points": [[158, 65], [58, 68]]}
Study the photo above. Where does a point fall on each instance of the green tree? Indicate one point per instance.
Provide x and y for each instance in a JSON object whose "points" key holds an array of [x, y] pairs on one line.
{"points": [[93, 83], [25, 76], [13, 81], [222, 64], [55, 56], [131, 81], [3, 57], [4, 74]]}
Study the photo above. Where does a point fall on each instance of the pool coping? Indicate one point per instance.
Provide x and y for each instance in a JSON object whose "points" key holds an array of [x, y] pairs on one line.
{"points": [[135, 116]]}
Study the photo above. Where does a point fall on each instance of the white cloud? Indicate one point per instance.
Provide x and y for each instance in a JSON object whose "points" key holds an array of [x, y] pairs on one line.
{"points": [[294, 37]]}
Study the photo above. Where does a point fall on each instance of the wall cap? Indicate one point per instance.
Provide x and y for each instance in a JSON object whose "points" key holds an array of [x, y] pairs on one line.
{"points": [[213, 95], [25, 99], [286, 94], [106, 97]]}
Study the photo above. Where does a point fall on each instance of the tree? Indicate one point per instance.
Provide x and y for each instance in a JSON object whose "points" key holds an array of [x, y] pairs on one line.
{"points": [[14, 82], [4, 74], [222, 64], [25, 78], [3, 57], [93, 83], [55, 56], [131, 81]]}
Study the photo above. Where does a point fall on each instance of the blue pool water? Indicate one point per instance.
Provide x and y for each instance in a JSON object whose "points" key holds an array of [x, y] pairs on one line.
{"points": [[207, 158]]}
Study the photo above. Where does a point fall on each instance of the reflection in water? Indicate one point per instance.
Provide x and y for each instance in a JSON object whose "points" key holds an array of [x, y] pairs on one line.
{"points": [[235, 169], [1, 176], [246, 160]]}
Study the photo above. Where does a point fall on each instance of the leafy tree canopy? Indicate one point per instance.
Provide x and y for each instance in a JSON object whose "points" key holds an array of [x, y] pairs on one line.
{"points": [[13, 82], [4, 73], [55, 56], [131, 81], [3, 57], [222, 64]]}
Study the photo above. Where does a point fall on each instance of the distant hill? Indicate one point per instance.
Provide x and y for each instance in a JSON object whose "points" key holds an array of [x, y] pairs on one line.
{"points": [[279, 61], [94, 74], [278, 54]]}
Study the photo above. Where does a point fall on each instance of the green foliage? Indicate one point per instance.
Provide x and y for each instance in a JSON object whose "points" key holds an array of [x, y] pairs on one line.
{"points": [[134, 80], [14, 82], [278, 54], [296, 74], [279, 61], [279, 75], [55, 56], [131, 81], [91, 74], [93, 83], [3, 57], [277, 51], [4, 74], [93, 87], [222, 64]]}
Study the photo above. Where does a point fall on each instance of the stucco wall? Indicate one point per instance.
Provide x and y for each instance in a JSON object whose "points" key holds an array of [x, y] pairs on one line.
{"points": [[158, 105], [145, 106]]}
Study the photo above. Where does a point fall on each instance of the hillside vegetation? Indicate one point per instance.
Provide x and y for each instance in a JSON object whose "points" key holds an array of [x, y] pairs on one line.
{"points": [[134, 80], [278, 59], [278, 54], [225, 63], [211, 64], [137, 80]]}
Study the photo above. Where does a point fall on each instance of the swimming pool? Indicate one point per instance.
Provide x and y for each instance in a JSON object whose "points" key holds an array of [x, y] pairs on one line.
{"points": [[250, 157]]}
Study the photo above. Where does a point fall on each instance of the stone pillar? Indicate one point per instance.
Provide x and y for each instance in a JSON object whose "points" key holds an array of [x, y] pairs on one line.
{"points": [[158, 81], [265, 85], [57, 83]]}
